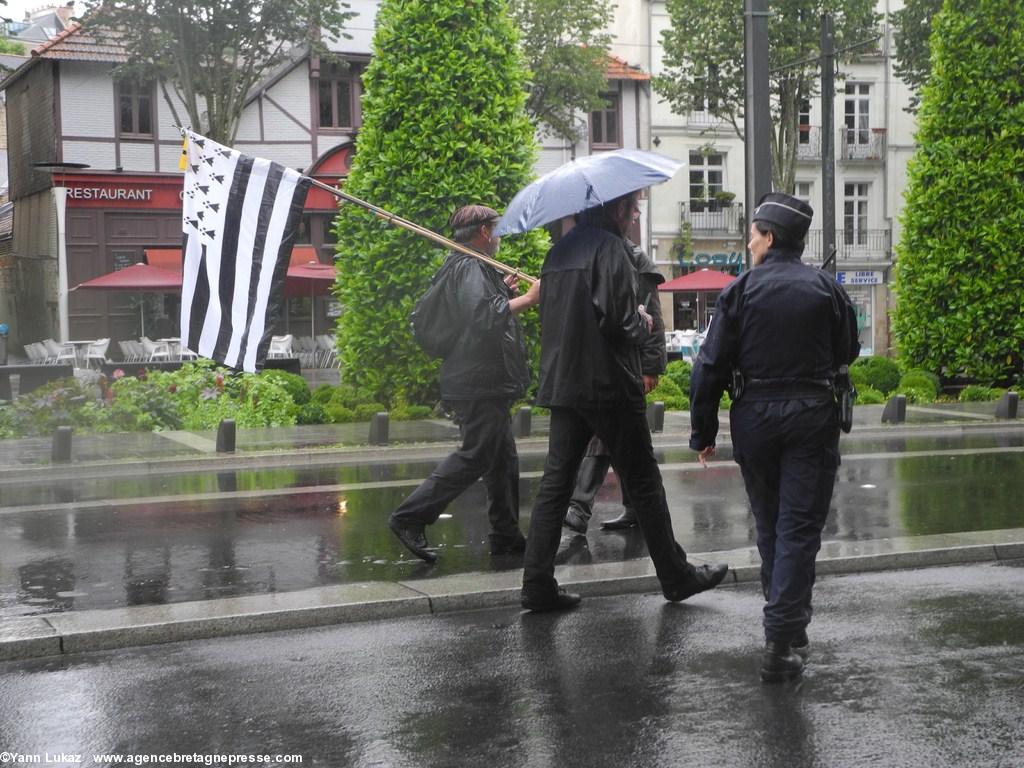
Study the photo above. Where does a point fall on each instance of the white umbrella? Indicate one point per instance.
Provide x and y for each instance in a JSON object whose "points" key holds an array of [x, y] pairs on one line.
{"points": [[584, 183]]}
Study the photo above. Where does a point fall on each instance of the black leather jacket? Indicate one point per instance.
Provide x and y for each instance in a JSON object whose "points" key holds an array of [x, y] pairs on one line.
{"points": [[591, 331], [489, 360], [782, 321], [653, 355]]}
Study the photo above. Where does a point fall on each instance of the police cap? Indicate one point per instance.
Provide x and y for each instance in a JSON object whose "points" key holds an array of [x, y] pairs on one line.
{"points": [[786, 211]]}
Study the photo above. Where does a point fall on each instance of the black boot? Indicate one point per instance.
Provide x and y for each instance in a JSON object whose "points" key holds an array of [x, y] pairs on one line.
{"points": [[576, 518], [624, 521], [800, 645], [779, 663], [696, 580], [414, 539]]}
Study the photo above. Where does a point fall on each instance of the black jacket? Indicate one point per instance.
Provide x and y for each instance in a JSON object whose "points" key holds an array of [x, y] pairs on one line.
{"points": [[489, 359], [782, 320], [653, 355], [590, 327]]}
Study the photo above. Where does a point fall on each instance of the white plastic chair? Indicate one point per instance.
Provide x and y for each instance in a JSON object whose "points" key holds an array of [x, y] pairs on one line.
{"points": [[36, 353], [154, 350], [280, 346], [328, 352], [60, 352], [97, 352]]}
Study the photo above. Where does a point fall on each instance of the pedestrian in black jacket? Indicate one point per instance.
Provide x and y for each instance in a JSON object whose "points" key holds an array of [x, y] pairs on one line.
{"points": [[590, 378], [483, 375], [784, 328], [597, 459]]}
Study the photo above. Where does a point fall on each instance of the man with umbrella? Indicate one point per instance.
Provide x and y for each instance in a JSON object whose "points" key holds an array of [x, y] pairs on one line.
{"points": [[592, 326]]}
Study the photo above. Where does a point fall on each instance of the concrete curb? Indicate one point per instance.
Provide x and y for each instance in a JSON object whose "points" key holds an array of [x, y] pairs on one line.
{"points": [[320, 456], [76, 632]]}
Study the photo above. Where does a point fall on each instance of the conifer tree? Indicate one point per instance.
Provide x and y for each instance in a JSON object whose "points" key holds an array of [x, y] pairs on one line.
{"points": [[960, 259], [444, 125]]}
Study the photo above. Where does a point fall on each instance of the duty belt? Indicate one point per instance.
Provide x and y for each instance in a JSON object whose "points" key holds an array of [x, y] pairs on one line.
{"points": [[785, 388]]}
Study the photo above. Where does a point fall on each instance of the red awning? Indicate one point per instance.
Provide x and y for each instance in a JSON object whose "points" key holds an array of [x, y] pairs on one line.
{"points": [[137, 277], [701, 280]]}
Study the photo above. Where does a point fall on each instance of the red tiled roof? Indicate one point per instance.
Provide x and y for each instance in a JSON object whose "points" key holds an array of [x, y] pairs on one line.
{"points": [[617, 69], [74, 44]]}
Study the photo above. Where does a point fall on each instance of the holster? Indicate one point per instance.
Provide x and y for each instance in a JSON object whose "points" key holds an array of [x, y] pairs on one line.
{"points": [[846, 395], [738, 385]]}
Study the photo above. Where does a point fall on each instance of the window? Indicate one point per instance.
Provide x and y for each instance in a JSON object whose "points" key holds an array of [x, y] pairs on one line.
{"points": [[338, 96], [706, 178], [604, 123], [802, 191], [134, 109], [855, 213], [858, 100], [705, 101], [804, 122]]}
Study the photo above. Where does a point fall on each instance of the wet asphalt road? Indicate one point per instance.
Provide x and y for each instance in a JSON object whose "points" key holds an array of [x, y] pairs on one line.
{"points": [[908, 669], [102, 543]]}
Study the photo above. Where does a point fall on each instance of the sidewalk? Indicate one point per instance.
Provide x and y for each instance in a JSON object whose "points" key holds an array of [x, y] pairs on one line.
{"points": [[423, 442]]}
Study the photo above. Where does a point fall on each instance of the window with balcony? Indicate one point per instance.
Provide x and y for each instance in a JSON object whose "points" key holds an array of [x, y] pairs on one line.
{"points": [[135, 109], [857, 114], [804, 122], [338, 96], [707, 174], [855, 213], [605, 124], [706, 100]]}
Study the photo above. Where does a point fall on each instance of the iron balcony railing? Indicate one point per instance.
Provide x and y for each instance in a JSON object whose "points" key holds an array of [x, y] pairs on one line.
{"points": [[864, 245], [712, 216], [851, 143]]}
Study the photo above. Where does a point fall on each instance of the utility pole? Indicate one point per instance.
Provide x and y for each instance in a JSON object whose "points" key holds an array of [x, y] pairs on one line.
{"points": [[828, 149], [757, 119]]}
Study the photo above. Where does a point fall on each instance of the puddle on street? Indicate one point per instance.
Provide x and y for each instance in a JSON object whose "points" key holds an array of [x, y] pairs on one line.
{"points": [[172, 551]]}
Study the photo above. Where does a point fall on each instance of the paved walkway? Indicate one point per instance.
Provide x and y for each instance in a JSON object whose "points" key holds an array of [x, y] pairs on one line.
{"points": [[141, 454]]}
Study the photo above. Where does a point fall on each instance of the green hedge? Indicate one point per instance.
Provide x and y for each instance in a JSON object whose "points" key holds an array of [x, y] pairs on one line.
{"points": [[881, 373], [959, 272], [444, 125]]}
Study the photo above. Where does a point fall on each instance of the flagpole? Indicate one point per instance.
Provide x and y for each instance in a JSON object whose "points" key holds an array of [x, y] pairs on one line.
{"points": [[391, 218]]}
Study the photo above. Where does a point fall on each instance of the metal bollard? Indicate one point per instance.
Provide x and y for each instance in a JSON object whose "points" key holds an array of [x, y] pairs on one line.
{"points": [[656, 416], [226, 436], [379, 428], [1006, 408], [61, 444], [521, 422], [895, 410]]}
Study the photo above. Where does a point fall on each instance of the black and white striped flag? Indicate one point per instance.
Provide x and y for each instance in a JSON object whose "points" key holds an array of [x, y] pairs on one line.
{"points": [[240, 217]]}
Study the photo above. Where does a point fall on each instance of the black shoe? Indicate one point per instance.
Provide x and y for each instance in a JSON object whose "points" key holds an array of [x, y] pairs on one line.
{"points": [[698, 580], [800, 645], [559, 601], [414, 539], [575, 521], [504, 546], [621, 523], [779, 663]]}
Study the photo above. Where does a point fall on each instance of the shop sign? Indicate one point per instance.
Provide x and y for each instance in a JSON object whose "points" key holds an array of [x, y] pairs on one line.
{"points": [[97, 191], [719, 259], [867, 277]]}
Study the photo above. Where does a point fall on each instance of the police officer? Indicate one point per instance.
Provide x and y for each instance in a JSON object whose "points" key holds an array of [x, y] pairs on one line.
{"points": [[781, 331]]}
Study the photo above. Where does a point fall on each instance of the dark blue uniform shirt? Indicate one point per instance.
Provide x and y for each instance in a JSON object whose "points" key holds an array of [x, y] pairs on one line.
{"points": [[783, 321]]}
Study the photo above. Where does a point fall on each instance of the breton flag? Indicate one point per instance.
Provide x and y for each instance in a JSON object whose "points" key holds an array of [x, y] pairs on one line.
{"points": [[239, 218]]}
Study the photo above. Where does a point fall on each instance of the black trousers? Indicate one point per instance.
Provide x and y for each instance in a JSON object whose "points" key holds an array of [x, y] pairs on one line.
{"points": [[628, 439], [488, 450], [593, 469], [788, 451]]}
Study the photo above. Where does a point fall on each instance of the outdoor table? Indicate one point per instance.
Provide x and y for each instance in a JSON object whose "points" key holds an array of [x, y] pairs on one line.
{"points": [[81, 348]]}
